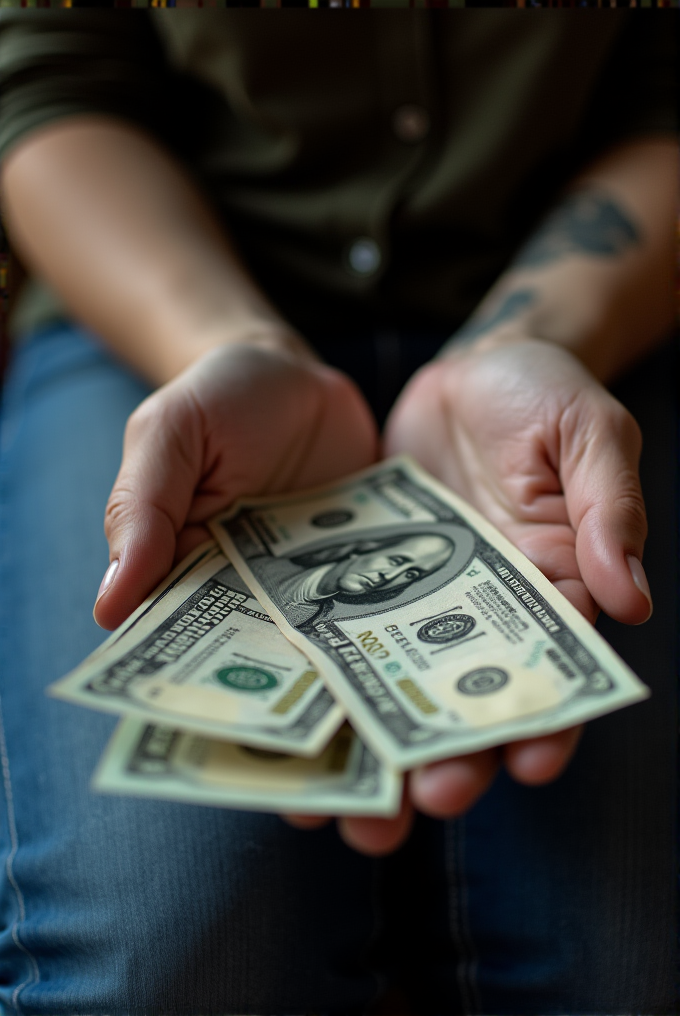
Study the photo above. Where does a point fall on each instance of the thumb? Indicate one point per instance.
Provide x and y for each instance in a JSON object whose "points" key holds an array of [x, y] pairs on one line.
{"points": [[601, 450], [148, 504]]}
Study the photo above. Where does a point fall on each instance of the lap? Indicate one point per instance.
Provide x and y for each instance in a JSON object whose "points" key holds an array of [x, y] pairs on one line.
{"points": [[540, 900]]}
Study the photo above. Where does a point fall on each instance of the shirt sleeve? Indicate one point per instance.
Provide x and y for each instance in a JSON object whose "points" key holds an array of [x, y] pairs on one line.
{"points": [[57, 64]]}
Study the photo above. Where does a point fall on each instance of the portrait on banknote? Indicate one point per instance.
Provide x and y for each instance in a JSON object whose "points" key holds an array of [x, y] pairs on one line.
{"points": [[370, 569]]}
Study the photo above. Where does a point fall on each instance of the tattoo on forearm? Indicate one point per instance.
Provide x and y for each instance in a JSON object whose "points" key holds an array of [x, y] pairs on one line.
{"points": [[511, 306], [585, 223]]}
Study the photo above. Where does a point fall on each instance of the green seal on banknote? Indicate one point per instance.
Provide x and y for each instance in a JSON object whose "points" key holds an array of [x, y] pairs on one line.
{"points": [[247, 678]]}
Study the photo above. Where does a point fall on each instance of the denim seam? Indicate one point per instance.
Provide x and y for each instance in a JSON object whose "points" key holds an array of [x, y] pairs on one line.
{"points": [[459, 923], [33, 978]]}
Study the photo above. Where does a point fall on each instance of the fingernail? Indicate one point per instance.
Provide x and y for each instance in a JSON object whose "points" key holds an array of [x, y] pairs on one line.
{"points": [[640, 580], [109, 576]]}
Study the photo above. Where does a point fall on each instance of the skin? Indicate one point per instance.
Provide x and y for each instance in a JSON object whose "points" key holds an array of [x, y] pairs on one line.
{"points": [[555, 475], [515, 418], [384, 569]]}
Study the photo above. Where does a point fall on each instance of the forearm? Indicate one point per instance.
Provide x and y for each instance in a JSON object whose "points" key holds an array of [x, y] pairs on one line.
{"points": [[113, 223], [597, 276]]}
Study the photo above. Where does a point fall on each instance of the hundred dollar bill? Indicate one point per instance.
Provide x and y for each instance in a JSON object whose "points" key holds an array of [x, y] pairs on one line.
{"points": [[150, 760], [435, 633], [199, 556], [201, 654]]}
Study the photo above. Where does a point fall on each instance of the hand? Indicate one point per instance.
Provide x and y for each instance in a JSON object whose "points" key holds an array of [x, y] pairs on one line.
{"points": [[241, 420], [526, 434]]}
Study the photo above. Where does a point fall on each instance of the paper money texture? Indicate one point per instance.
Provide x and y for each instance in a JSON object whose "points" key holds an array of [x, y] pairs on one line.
{"points": [[437, 635], [149, 760], [201, 655]]}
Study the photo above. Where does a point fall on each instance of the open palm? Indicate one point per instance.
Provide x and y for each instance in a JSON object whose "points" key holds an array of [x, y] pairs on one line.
{"points": [[241, 420], [526, 434]]}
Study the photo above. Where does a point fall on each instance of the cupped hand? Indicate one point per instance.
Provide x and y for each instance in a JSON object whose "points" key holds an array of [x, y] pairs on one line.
{"points": [[242, 420], [526, 434]]}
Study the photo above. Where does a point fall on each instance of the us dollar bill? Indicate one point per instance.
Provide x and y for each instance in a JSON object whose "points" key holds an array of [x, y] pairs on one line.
{"points": [[437, 635], [202, 655], [150, 760]]}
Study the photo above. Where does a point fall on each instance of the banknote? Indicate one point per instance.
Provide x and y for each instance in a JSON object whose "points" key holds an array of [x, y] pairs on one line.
{"points": [[151, 760], [202, 655], [437, 635], [199, 556]]}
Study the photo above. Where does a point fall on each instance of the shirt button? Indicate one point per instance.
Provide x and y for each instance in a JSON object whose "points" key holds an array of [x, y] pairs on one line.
{"points": [[364, 256], [411, 123]]}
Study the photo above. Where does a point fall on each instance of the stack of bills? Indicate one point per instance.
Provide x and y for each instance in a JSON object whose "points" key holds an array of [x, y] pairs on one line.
{"points": [[383, 600]]}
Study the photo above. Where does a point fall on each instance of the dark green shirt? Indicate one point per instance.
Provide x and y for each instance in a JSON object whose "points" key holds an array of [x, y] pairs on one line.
{"points": [[371, 165]]}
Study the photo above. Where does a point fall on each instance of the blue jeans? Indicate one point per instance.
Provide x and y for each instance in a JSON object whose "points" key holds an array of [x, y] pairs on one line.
{"points": [[556, 900]]}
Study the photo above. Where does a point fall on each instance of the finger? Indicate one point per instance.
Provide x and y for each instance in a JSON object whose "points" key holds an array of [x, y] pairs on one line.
{"points": [[601, 450], [306, 821], [449, 788], [377, 836], [162, 458], [541, 759]]}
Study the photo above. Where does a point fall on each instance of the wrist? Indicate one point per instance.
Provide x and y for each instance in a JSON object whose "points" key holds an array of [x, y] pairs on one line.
{"points": [[502, 337], [198, 307], [587, 331], [276, 337], [171, 346]]}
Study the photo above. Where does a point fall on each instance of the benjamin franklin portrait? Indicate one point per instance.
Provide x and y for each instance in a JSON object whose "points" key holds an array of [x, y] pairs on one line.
{"points": [[366, 571]]}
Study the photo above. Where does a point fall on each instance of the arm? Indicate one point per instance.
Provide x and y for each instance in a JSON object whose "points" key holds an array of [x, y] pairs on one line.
{"points": [[99, 209], [524, 428], [597, 276], [512, 416], [105, 215]]}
